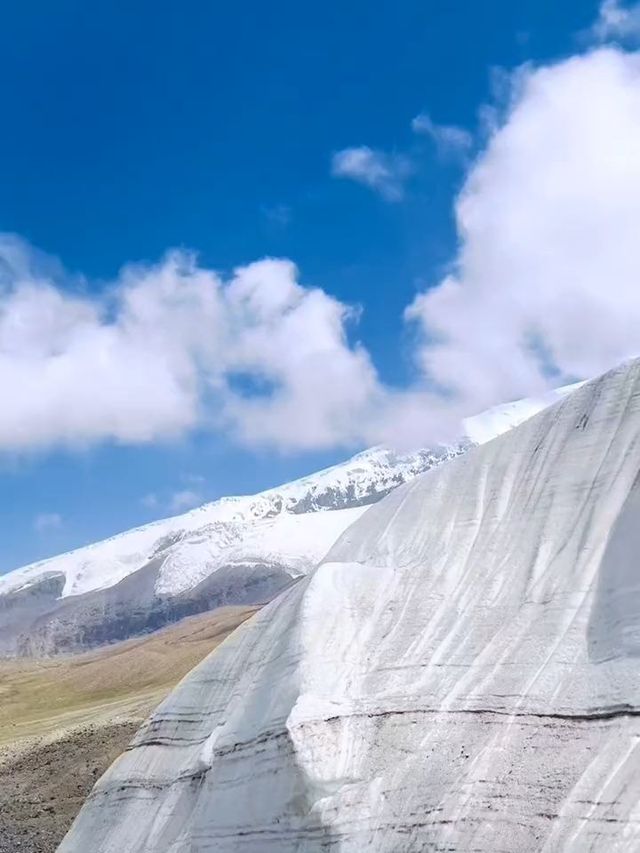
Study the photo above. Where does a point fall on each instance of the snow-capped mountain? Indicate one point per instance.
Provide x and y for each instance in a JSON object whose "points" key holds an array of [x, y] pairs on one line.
{"points": [[461, 672], [233, 550], [289, 521]]}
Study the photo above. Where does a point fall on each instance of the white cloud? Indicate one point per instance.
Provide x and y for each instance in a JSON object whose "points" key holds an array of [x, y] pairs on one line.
{"points": [[121, 366], [171, 346], [544, 288], [150, 501], [547, 278], [384, 173], [617, 21], [449, 139], [184, 499], [47, 521]]}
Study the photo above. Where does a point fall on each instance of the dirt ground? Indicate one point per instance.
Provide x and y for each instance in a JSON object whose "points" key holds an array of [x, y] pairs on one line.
{"points": [[64, 721], [43, 787]]}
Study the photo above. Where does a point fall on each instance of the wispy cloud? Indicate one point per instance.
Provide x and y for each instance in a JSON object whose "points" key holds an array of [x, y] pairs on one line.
{"points": [[617, 21], [150, 501], [194, 479], [176, 500], [184, 499], [45, 522], [449, 139], [384, 173]]}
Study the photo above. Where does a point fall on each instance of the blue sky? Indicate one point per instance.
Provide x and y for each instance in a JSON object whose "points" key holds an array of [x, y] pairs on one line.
{"points": [[132, 128]]}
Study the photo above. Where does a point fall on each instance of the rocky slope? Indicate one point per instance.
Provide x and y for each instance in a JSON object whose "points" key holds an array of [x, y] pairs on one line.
{"points": [[461, 673]]}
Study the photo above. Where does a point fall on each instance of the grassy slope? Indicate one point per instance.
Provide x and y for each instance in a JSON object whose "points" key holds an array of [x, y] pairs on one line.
{"points": [[46, 696], [63, 721]]}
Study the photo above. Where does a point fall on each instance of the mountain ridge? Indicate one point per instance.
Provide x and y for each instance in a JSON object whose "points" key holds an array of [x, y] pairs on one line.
{"points": [[349, 484], [236, 550]]}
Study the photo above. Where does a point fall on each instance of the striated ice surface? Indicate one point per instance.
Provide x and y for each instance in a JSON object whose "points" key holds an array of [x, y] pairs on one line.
{"points": [[462, 673]]}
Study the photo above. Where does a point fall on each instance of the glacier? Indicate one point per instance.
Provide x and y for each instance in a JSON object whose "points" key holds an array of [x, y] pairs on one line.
{"points": [[236, 550], [461, 672]]}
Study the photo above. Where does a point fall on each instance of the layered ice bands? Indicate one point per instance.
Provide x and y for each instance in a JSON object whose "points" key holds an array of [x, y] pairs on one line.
{"points": [[461, 673]]}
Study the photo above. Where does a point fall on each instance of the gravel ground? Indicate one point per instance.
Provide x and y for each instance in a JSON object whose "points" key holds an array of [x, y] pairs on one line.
{"points": [[43, 786]]}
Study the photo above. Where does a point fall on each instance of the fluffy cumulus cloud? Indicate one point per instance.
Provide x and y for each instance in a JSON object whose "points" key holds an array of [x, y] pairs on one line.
{"points": [[172, 346], [546, 286], [382, 172], [125, 366], [544, 289]]}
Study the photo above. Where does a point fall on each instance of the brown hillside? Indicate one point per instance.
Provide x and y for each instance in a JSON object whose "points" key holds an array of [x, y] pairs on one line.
{"points": [[64, 720]]}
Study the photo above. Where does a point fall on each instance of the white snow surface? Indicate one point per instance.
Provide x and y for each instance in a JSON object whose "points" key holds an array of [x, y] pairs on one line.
{"points": [[280, 525], [500, 419], [195, 544], [461, 673], [292, 525]]}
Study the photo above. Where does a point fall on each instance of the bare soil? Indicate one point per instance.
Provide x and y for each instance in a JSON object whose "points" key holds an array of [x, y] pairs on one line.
{"points": [[63, 721], [43, 787]]}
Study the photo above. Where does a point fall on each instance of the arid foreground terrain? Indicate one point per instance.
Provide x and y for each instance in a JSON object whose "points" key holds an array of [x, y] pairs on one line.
{"points": [[64, 720]]}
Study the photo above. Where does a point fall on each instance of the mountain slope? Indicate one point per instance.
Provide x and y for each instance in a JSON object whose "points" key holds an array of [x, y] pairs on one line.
{"points": [[77, 714], [221, 525], [359, 481], [237, 550], [462, 672]]}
